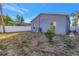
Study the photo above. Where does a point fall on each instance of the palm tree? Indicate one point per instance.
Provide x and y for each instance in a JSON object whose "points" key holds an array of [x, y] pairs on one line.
{"points": [[2, 19], [75, 16]]}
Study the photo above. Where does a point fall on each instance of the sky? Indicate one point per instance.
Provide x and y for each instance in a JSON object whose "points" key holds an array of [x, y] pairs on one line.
{"points": [[31, 10]]}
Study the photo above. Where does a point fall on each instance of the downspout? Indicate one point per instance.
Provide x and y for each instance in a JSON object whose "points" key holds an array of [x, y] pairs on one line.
{"points": [[39, 24], [68, 25]]}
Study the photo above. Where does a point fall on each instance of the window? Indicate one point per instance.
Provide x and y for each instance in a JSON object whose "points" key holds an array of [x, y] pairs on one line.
{"points": [[33, 27], [53, 23]]}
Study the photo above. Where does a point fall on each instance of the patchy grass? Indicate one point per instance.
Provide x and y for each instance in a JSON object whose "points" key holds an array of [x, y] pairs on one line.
{"points": [[36, 44], [7, 35]]}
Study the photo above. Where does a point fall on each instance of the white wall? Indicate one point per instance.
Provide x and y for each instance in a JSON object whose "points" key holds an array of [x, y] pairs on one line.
{"points": [[72, 28], [77, 28], [16, 28], [35, 23], [60, 23], [1, 29], [45, 22]]}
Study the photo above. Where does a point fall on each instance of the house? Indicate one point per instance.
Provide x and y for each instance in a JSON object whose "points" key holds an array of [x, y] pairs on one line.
{"points": [[44, 21], [26, 24]]}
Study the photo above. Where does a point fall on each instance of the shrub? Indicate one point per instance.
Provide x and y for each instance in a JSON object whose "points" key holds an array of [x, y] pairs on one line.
{"points": [[49, 34], [69, 43], [50, 41], [70, 46], [74, 23]]}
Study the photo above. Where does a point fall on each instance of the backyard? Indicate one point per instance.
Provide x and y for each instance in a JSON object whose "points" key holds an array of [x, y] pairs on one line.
{"points": [[36, 44]]}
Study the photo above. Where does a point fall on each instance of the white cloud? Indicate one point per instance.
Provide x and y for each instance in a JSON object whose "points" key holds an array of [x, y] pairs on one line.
{"points": [[28, 20], [23, 9], [15, 9]]}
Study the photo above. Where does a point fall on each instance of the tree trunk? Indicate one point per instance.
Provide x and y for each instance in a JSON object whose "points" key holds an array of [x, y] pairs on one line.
{"points": [[2, 19]]}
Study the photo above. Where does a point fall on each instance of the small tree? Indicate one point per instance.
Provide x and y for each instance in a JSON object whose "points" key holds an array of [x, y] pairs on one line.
{"points": [[19, 20], [8, 21], [22, 20], [74, 23], [75, 16], [50, 33]]}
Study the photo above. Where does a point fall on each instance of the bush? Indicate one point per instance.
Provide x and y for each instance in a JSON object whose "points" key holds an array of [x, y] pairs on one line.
{"points": [[69, 43], [70, 46], [49, 34]]}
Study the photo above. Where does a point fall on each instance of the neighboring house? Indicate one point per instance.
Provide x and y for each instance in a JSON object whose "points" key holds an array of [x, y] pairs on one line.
{"points": [[44, 21], [27, 24]]}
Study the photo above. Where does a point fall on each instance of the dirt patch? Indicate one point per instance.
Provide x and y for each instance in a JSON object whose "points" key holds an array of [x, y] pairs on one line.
{"points": [[36, 44]]}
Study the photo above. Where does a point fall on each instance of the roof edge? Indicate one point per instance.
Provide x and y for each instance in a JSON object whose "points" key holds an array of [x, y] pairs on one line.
{"points": [[49, 14]]}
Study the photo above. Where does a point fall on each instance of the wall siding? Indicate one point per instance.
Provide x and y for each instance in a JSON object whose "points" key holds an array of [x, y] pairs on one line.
{"points": [[45, 22]]}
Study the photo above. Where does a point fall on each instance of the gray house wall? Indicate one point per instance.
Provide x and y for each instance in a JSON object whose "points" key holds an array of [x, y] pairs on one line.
{"points": [[44, 22]]}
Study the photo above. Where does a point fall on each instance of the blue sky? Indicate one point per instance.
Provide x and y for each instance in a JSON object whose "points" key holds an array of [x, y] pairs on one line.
{"points": [[30, 10]]}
